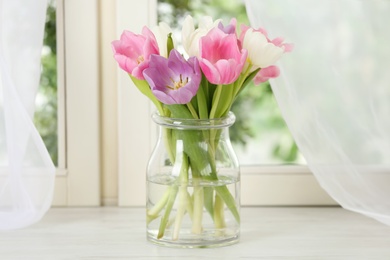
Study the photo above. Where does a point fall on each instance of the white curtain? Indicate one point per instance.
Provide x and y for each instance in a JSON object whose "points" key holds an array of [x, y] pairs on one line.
{"points": [[26, 170], [334, 93]]}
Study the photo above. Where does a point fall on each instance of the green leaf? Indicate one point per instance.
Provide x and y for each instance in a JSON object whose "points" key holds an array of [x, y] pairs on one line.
{"points": [[215, 102], [164, 220], [170, 45], [179, 111], [222, 100], [230, 202], [247, 81], [226, 100], [209, 92], [144, 87], [209, 200]]}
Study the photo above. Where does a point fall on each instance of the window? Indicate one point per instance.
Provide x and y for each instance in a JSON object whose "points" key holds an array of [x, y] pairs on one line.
{"points": [[45, 117], [105, 134], [261, 185], [68, 100]]}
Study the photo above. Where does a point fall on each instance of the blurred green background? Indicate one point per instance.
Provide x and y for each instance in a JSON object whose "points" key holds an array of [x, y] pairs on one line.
{"points": [[45, 117]]}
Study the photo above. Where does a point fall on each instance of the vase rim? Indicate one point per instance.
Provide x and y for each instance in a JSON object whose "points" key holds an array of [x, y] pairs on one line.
{"points": [[192, 123]]}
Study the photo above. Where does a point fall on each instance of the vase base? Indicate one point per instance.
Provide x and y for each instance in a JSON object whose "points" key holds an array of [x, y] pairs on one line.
{"points": [[198, 243]]}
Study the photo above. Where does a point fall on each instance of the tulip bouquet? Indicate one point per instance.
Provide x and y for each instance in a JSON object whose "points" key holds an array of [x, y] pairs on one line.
{"points": [[201, 83]]}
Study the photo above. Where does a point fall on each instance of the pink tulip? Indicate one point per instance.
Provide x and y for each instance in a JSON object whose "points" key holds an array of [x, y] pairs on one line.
{"points": [[221, 59], [288, 47], [132, 51], [265, 74]]}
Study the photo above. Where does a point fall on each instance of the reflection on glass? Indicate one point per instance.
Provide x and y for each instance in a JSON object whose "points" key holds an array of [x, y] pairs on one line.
{"points": [[259, 135]]}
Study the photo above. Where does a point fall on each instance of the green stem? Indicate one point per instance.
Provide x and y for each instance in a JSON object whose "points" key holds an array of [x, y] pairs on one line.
{"points": [[244, 82], [168, 137], [154, 212], [180, 212], [168, 209], [192, 110], [198, 208], [222, 191], [216, 98], [219, 214], [202, 103], [240, 81], [230, 202], [209, 200], [183, 200], [190, 206]]}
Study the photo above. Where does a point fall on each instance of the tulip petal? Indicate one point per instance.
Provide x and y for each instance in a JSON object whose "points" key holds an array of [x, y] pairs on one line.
{"points": [[261, 52], [181, 97], [191, 36], [132, 51], [163, 97], [221, 58], [210, 71], [266, 73], [161, 34], [173, 80]]}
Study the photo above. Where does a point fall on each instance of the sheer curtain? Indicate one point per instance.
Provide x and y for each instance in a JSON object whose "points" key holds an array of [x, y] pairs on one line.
{"points": [[334, 93], [26, 170]]}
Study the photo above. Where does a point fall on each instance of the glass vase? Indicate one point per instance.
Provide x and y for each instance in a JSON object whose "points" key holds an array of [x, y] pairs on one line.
{"points": [[193, 184]]}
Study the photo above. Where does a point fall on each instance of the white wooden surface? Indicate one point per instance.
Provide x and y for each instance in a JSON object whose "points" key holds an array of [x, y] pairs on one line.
{"points": [[267, 233]]}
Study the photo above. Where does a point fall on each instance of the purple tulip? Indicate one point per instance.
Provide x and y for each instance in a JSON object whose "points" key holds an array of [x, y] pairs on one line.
{"points": [[173, 80], [230, 28]]}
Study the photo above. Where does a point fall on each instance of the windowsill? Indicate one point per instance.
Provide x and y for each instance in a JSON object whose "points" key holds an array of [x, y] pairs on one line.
{"points": [[268, 232]]}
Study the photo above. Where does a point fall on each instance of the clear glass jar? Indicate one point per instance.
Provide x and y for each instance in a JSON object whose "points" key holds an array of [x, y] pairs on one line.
{"points": [[193, 184]]}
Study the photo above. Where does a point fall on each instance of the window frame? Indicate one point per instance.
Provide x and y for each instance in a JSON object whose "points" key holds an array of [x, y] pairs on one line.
{"points": [[135, 137], [78, 171], [260, 185]]}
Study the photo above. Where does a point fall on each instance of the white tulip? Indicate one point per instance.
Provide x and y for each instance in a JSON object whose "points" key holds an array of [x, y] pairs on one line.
{"points": [[191, 36], [261, 53], [161, 33]]}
